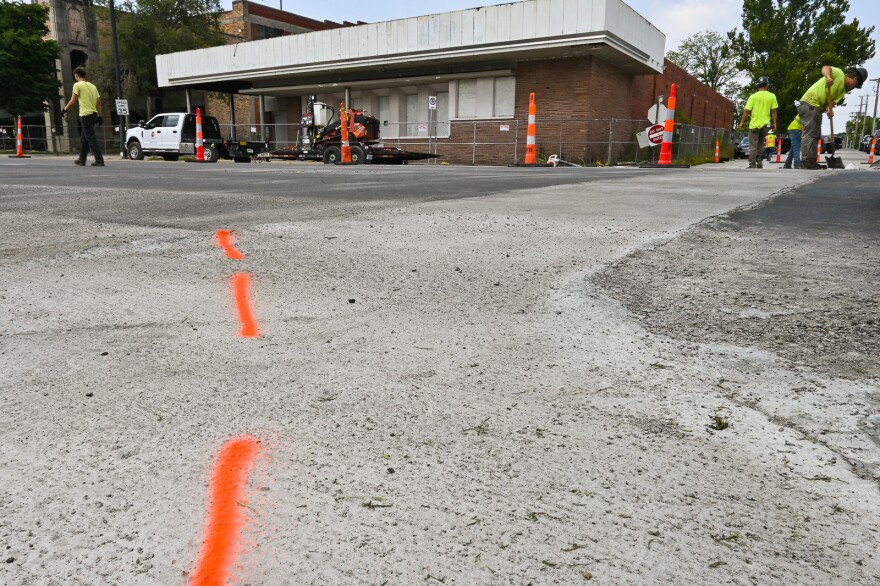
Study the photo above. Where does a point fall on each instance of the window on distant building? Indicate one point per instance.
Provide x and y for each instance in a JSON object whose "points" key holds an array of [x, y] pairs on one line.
{"points": [[266, 32]]}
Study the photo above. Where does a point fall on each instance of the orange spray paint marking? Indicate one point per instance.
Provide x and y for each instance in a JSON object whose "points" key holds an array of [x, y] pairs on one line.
{"points": [[241, 285], [224, 241], [226, 513]]}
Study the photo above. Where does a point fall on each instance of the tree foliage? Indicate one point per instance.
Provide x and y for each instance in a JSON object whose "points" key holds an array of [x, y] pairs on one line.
{"points": [[146, 28], [27, 60], [790, 40], [708, 57]]}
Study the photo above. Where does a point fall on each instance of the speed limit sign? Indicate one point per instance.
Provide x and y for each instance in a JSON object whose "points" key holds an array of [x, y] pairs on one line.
{"points": [[432, 102]]}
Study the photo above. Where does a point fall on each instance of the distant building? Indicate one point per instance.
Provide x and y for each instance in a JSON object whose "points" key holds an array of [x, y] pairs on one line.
{"points": [[72, 24], [249, 21], [590, 62]]}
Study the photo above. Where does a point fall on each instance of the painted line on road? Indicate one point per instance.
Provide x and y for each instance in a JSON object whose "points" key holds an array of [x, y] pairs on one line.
{"points": [[226, 518], [224, 241], [241, 285]]}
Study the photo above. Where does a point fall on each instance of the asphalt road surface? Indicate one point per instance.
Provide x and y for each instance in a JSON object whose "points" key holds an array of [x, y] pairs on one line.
{"points": [[432, 374]]}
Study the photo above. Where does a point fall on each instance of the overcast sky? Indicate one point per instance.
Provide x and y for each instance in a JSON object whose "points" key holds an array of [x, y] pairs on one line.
{"points": [[677, 19]]}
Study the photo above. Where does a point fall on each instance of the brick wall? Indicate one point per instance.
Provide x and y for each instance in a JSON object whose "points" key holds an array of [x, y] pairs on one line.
{"points": [[238, 26], [218, 107], [587, 110], [695, 101]]}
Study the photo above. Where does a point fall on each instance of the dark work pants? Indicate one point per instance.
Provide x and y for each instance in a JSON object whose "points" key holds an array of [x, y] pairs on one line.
{"points": [[757, 138], [811, 120], [89, 140]]}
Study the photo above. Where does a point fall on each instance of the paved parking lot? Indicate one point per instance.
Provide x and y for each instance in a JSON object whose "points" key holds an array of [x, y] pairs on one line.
{"points": [[433, 374]]}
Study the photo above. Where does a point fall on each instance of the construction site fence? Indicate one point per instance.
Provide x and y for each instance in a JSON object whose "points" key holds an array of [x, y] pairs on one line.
{"points": [[580, 141]]}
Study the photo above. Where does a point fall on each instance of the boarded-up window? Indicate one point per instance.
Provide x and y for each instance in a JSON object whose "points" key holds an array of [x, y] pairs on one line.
{"points": [[412, 115], [467, 98], [442, 119], [505, 88]]}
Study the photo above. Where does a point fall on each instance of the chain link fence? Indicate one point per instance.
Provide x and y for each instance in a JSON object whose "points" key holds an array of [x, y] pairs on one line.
{"points": [[480, 142]]}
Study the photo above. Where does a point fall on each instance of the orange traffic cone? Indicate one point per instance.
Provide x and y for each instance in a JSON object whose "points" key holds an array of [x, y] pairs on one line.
{"points": [[531, 148], [668, 129], [200, 137], [873, 148], [343, 126], [19, 145]]}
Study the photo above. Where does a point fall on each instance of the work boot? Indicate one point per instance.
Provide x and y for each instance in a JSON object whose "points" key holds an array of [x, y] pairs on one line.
{"points": [[751, 165], [759, 165], [811, 165], [98, 164], [786, 166], [79, 163]]}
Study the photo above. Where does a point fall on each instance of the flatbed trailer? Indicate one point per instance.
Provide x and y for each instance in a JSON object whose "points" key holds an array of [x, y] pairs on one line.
{"points": [[321, 140], [373, 154]]}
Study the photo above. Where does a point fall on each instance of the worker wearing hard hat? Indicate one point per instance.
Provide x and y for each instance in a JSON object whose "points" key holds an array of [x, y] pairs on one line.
{"points": [[761, 110], [769, 145], [823, 96]]}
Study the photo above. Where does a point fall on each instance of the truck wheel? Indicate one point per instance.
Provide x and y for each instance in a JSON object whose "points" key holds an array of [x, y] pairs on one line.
{"points": [[171, 157], [358, 154], [135, 151], [212, 155], [331, 155]]}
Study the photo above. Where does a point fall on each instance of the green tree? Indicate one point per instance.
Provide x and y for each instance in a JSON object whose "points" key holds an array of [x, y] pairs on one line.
{"points": [[708, 57], [146, 28], [790, 40], [27, 60]]}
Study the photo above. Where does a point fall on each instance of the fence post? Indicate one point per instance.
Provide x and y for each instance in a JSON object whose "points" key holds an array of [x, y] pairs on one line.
{"points": [[516, 142], [561, 126], [610, 138], [474, 148]]}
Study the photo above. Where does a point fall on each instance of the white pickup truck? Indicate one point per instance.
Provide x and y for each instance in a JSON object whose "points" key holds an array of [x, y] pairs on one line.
{"points": [[174, 134]]}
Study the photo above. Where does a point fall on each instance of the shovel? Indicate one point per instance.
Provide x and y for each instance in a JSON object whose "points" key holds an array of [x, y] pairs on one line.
{"points": [[832, 161]]}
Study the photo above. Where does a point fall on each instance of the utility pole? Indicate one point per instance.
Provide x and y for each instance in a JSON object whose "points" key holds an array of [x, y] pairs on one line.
{"points": [[860, 123], [122, 122], [876, 95], [850, 133]]}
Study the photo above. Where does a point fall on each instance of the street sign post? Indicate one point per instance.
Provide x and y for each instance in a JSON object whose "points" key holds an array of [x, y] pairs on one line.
{"points": [[432, 117]]}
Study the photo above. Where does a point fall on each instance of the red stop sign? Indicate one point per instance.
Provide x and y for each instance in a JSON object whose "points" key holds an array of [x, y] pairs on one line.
{"points": [[655, 134]]}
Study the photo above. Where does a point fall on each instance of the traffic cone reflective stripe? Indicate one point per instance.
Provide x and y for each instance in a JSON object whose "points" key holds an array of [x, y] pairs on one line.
{"points": [[346, 146], [200, 138], [873, 148], [531, 148], [19, 143], [819, 150], [717, 151], [668, 129], [778, 150]]}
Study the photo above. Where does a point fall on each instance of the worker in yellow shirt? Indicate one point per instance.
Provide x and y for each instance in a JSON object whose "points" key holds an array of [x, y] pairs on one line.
{"points": [[769, 145], [823, 96], [761, 110], [794, 153], [86, 95]]}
